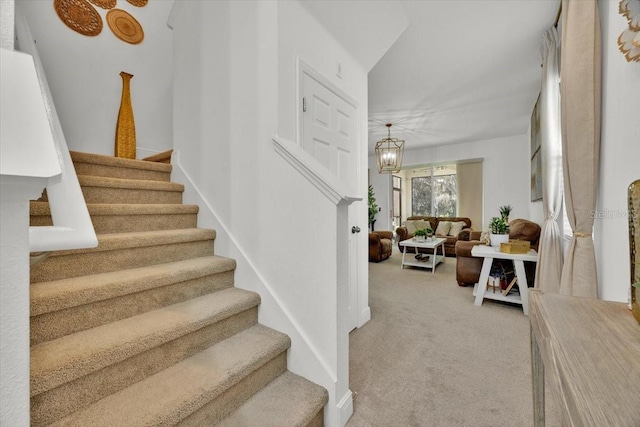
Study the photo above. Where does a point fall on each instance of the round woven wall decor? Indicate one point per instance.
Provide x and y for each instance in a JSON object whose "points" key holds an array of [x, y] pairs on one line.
{"points": [[139, 3], [105, 4], [79, 15], [125, 26]]}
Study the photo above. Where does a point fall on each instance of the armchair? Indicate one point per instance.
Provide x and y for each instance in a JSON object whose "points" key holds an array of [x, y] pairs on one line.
{"points": [[380, 245]]}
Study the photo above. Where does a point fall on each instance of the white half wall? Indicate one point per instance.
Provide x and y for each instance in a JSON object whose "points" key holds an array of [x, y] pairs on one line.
{"points": [[83, 74], [619, 158]]}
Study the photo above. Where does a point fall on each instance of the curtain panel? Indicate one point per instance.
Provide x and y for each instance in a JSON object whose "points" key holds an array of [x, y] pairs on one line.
{"points": [[580, 112], [549, 266]]}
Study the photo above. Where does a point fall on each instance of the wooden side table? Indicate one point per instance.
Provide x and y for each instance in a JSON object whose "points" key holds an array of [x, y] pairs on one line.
{"points": [[589, 351], [489, 253]]}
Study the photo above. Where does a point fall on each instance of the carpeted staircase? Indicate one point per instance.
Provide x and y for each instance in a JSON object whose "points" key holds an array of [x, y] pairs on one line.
{"points": [[148, 328]]}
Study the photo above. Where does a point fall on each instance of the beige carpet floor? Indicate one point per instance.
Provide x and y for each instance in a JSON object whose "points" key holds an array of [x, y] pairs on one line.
{"points": [[430, 357]]}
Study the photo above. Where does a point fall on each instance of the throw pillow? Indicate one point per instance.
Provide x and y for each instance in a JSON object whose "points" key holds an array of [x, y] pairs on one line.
{"points": [[484, 237], [411, 226], [456, 228], [443, 228], [421, 223]]}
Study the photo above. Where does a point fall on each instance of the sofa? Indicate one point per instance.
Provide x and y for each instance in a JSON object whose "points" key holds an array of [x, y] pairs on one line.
{"points": [[380, 245], [468, 267], [406, 231]]}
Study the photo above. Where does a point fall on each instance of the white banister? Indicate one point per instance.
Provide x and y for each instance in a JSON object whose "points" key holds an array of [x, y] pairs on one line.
{"points": [[72, 227]]}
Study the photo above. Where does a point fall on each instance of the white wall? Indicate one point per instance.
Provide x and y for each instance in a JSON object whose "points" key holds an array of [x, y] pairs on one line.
{"points": [[226, 98], [505, 171], [7, 14], [83, 74], [382, 187], [619, 157], [235, 86]]}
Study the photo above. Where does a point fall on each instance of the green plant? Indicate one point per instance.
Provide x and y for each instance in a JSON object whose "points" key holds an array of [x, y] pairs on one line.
{"points": [[505, 211], [423, 232], [373, 206], [498, 225]]}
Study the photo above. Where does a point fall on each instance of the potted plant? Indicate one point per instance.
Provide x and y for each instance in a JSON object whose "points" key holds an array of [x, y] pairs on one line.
{"points": [[499, 231], [373, 207], [422, 233], [505, 211]]}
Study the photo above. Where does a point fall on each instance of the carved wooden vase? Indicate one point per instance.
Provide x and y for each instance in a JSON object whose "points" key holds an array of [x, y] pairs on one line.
{"points": [[125, 127], [634, 246]]}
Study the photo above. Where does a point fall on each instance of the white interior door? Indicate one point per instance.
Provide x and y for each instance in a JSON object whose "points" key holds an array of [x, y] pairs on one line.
{"points": [[329, 133], [329, 129]]}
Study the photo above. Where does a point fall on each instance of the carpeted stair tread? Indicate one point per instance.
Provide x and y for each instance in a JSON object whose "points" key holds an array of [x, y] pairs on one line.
{"points": [[126, 217], [119, 251], [171, 395], [137, 184], [66, 306], [163, 157], [61, 294], [289, 400], [42, 208], [64, 359], [100, 159], [113, 241], [100, 165], [101, 189]]}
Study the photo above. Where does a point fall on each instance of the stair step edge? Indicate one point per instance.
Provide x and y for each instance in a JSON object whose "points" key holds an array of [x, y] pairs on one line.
{"points": [[47, 297], [288, 400], [139, 239], [125, 183], [64, 359], [43, 208], [162, 157], [167, 397], [100, 159]]}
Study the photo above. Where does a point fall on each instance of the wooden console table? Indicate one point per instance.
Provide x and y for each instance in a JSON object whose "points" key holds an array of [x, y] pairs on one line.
{"points": [[589, 350]]}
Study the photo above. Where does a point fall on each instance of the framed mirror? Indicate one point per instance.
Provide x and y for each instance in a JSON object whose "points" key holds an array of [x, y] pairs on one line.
{"points": [[634, 246]]}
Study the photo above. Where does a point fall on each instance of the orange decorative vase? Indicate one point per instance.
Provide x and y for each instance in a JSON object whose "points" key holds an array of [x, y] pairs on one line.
{"points": [[125, 127]]}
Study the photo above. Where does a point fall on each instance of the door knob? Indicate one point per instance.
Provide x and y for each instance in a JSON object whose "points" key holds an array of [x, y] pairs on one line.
{"points": [[355, 229]]}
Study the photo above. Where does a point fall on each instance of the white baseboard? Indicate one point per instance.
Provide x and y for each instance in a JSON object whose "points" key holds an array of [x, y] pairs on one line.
{"points": [[364, 317], [345, 408]]}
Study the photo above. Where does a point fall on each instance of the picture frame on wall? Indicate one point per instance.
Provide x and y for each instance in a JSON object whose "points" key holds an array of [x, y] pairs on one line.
{"points": [[536, 155]]}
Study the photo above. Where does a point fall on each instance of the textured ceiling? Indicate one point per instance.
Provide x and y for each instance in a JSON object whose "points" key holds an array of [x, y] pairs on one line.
{"points": [[464, 70]]}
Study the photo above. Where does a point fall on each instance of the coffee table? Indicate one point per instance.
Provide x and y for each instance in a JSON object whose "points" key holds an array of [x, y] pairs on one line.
{"points": [[489, 253], [433, 259]]}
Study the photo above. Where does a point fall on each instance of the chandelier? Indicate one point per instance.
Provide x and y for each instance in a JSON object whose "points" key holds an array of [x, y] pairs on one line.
{"points": [[389, 153]]}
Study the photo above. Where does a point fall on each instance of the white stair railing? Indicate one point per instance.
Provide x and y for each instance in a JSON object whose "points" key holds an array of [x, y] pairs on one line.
{"points": [[72, 227]]}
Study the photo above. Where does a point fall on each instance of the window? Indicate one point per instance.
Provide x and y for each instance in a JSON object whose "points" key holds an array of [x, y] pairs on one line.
{"points": [[396, 216], [435, 192], [421, 195]]}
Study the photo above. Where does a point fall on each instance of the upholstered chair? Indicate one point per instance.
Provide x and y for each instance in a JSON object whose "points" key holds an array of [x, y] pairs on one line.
{"points": [[380, 245]]}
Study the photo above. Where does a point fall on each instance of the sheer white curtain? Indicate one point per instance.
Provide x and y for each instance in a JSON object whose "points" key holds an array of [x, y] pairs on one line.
{"points": [[580, 99], [549, 267]]}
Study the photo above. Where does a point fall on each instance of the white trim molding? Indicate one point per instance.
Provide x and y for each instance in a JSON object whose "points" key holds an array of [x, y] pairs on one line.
{"points": [[345, 408], [313, 171]]}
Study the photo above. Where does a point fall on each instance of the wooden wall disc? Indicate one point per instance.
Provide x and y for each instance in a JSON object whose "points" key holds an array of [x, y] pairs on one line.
{"points": [[139, 3], [105, 4], [79, 15], [125, 26]]}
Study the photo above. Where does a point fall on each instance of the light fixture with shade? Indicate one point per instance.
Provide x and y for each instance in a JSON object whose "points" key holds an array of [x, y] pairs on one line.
{"points": [[389, 153]]}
